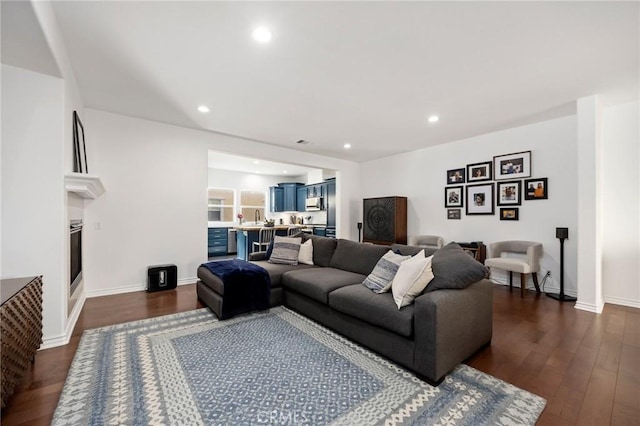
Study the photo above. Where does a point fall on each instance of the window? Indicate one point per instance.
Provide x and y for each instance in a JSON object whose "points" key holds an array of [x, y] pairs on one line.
{"points": [[250, 202], [220, 203]]}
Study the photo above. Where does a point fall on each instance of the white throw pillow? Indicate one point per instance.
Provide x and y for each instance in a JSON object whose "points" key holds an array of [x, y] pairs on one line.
{"points": [[412, 277], [305, 255]]}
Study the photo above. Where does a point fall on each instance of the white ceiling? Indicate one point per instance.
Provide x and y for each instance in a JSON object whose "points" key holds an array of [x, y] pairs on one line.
{"points": [[365, 73], [225, 161]]}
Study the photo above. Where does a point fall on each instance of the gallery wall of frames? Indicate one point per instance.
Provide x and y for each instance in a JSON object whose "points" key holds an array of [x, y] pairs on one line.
{"points": [[501, 184]]}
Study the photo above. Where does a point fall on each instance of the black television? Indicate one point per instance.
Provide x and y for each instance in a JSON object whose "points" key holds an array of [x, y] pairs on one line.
{"points": [[75, 254]]}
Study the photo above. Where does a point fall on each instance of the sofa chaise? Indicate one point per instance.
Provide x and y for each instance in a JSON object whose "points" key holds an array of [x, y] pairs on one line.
{"points": [[446, 324]]}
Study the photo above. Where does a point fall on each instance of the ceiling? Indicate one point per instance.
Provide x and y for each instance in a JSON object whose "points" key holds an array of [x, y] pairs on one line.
{"points": [[364, 73], [225, 161]]}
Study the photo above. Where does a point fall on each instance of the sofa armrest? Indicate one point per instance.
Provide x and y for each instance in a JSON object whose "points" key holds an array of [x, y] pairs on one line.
{"points": [[258, 255], [450, 326]]}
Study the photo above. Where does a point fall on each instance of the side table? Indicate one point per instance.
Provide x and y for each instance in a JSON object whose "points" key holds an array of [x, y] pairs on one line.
{"points": [[21, 334], [476, 249]]}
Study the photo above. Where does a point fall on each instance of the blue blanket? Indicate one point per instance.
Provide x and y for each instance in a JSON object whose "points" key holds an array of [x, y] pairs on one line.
{"points": [[247, 287]]}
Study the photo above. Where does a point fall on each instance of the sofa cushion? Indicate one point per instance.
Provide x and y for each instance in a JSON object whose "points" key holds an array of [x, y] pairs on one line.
{"points": [[276, 270], [357, 257], [454, 268], [316, 283], [412, 250], [379, 280], [376, 309], [285, 250], [323, 248]]}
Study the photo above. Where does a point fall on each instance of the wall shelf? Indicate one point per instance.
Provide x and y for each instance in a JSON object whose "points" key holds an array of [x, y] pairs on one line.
{"points": [[83, 185]]}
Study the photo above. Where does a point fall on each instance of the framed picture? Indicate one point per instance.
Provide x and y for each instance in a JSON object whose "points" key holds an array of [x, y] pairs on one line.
{"points": [[480, 199], [454, 213], [536, 189], [509, 193], [79, 147], [453, 196], [478, 172], [510, 213], [512, 166], [455, 176]]}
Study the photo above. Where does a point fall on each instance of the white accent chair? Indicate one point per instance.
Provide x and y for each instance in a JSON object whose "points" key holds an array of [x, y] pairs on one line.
{"points": [[430, 241], [264, 239], [530, 265]]}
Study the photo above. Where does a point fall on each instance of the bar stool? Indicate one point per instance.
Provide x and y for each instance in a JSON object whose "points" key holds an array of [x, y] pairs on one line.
{"points": [[264, 239]]}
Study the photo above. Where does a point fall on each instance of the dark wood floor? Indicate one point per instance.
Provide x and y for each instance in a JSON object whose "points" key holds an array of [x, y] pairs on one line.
{"points": [[586, 366]]}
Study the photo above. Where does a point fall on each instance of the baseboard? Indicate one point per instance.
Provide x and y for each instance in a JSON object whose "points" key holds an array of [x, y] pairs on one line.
{"points": [[53, 342], [547, 288], [623, 302], [133, 288], [589, 307]]}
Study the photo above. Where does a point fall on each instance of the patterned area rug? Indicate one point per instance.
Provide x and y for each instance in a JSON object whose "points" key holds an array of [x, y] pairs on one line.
{"points": [[274, 367]]}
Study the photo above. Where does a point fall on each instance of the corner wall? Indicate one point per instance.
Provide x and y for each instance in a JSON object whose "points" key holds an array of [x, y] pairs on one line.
{"points": [[34, 235], [421, 176], [155, 208], [621, 205]]}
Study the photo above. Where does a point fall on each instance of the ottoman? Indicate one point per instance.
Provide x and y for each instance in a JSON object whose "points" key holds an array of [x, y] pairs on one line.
{"points": [[232, 287]]}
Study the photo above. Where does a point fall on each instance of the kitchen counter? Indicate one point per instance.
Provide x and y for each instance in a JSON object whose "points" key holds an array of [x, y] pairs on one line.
{"points": [[258, 227]]}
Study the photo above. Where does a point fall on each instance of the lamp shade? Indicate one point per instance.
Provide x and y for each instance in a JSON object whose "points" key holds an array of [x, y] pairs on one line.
{"points": [[562, 233]]}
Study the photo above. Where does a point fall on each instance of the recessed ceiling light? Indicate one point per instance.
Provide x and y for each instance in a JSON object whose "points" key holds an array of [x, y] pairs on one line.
{"points": [[434, 119], [285, 172], [347, 145], [203, 109], [256, 162], [261, 35]]}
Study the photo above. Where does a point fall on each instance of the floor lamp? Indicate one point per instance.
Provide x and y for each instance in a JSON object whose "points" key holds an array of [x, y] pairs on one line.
{"points": [[562, 234]]}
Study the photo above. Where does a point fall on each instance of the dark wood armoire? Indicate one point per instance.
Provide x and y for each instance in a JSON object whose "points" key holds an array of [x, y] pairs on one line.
{"points": [[385, 220]]}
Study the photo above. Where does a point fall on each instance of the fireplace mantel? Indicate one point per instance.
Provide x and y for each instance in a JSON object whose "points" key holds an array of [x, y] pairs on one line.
{"points": [[83, 185]]}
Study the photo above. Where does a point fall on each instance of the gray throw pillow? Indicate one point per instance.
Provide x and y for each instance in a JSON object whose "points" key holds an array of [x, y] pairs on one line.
{"points": [[380, 279], [455, 268], [285, 250]]}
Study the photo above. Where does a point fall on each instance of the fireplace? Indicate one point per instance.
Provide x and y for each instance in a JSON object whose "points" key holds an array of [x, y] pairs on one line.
{"points": [[75, 254]]}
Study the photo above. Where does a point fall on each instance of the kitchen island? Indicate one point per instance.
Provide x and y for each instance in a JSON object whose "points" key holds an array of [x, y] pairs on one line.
{"points": [[247, 234]]}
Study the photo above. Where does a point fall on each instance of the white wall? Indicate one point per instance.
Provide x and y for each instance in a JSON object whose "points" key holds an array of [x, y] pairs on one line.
{"points": [[621, 205], [34, 231], [154, 210], [421, 176]]}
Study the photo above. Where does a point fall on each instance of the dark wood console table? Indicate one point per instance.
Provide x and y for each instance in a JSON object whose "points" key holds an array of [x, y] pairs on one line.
{"points": [[476, 249], [21, 335]]}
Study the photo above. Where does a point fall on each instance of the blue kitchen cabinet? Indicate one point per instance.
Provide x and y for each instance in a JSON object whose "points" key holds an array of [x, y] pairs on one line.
{"points": [[276, 199], [284, 197], [322, 232], [217, 241], [301, 198], [315, 190], [290, 196], [330, 205]]}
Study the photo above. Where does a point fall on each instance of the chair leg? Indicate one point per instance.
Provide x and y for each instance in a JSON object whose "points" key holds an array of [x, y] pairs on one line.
{"points": [[523, 284], [534, 275], [510, 279]]}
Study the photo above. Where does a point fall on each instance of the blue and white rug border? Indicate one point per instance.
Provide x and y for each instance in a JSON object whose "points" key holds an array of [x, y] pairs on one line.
{"points": [[526, 409]]}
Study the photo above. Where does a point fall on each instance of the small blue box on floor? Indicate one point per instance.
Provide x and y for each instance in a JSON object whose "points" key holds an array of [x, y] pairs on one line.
{"points": [[162, 277]]}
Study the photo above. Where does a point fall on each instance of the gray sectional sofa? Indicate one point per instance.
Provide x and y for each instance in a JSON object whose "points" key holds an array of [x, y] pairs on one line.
{"points": [[446, 324]]}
